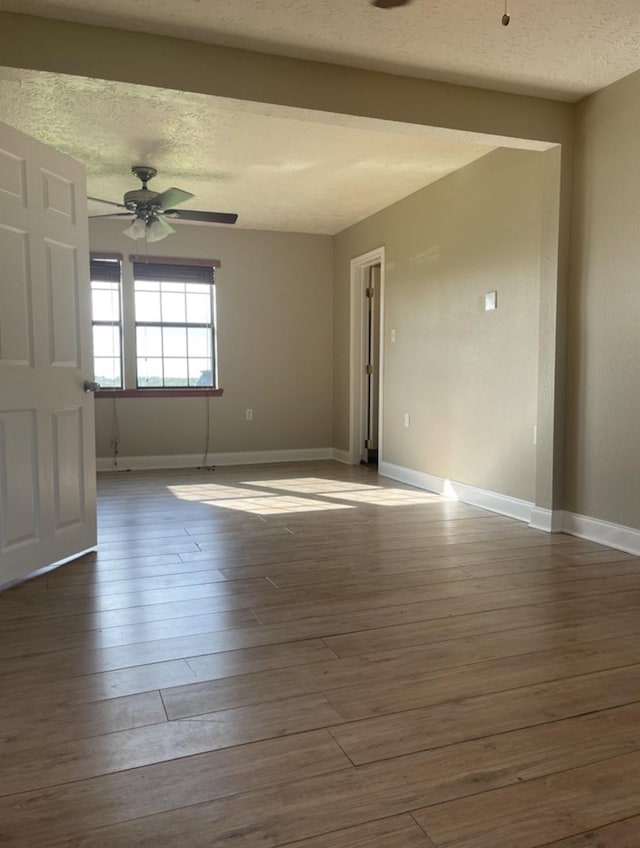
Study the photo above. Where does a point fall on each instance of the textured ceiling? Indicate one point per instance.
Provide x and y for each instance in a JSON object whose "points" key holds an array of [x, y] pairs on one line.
{"points": [[277, 173], [557, 48]]}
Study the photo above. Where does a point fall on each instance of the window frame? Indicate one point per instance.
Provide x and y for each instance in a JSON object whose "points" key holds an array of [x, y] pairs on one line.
{"points": [[186, 325], [99, 322], [128, 328]]}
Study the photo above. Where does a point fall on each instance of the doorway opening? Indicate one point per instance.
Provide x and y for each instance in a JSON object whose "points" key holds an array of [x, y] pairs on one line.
{"points": [[372, 367], [367, 296]]}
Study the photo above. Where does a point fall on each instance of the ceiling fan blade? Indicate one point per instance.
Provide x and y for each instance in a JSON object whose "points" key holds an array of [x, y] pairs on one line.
{"points": [[113, 215], [109, 202], [171, 197], [204, 217], [389, 4]]}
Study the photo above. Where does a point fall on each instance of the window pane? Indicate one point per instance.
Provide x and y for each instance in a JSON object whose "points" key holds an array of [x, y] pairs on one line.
{"points": [[200, 373], [106, 341], [199, 308], [175, 341], [172, 308], [105, 302], [107, 372], [200, 342], [149, 341], [149, 372], [176, 372], [172, 287], [147, 306], [170, 355]]}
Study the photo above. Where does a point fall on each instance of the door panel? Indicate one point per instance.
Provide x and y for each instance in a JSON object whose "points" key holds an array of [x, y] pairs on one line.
{"points": [[13, 175], [16, 331], [58, 196], [63, 293], [47, 454], [68, 467], [19, 496]]}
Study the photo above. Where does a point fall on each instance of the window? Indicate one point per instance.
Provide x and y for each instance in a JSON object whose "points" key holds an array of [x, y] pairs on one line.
{"points": [[175, 325], [107, 321]]}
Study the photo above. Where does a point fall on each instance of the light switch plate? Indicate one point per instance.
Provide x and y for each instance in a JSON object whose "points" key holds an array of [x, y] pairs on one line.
{"points": [[490, 301]]}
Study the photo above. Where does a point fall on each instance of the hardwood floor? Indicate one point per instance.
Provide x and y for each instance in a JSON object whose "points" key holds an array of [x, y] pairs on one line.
{"points": [[312, 656]]}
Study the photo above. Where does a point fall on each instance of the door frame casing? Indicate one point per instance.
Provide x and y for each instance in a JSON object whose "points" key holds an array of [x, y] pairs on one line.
{"points": [[358, 354]]}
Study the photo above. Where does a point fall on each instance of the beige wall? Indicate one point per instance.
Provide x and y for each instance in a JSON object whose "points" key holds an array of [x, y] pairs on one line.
{"points": [[274, 303], [332, 93], [603, 409], [468, 378]]}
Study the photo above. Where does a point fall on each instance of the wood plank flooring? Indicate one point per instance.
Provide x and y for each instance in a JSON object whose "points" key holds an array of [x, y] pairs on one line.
{"points": [[313, 656]]}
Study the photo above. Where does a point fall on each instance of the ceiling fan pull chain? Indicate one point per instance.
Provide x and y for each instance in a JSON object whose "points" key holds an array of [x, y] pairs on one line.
{"points": [[506, 18]]}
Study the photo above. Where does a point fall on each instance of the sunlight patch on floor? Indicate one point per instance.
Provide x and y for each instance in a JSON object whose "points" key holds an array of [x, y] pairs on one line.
{"points": [[257, 499], [205, 492], [388, 497], [276, 505], [311, 485]]}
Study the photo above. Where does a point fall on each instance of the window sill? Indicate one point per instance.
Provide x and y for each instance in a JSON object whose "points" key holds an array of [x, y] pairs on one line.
{"points": [[157, 393]]}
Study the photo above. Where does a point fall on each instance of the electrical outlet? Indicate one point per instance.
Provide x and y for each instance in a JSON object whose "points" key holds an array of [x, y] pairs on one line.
{"points": [[248, 414], [406, 419], [393, 336]]}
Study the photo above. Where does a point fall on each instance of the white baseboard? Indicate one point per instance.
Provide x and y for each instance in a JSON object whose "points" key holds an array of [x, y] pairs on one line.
{"points": [[157, 463], [492, 501], [341, 456], [551, 521], [603, 532]]}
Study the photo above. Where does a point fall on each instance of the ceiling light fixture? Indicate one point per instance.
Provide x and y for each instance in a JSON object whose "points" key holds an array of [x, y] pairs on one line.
{"points": [[506, 18], [137, 230], [158, 228], [153, 228]]}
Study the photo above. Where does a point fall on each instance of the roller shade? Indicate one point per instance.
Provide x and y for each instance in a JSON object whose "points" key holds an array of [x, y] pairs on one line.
{"points": [[105, 269], [160, 270]]}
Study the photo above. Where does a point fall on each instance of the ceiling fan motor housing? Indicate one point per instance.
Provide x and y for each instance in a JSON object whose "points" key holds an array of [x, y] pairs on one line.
{"points": [[141, 198]]}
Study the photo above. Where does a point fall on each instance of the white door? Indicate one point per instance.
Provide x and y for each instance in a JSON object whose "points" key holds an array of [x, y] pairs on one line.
{"points": [[47, 454]]}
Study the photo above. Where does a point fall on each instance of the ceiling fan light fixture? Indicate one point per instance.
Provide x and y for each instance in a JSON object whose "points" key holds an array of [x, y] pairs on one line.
{"points": [[158, 228], [137, 230]]}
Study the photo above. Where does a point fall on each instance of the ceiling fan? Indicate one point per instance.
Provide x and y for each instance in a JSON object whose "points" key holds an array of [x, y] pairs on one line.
{"points": [[389, 4], [151, 209], [395, 4]]}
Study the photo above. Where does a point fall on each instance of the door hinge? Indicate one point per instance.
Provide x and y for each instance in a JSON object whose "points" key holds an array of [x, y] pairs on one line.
{"points": [[368, 369], [369, 292], [368, 444]]}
